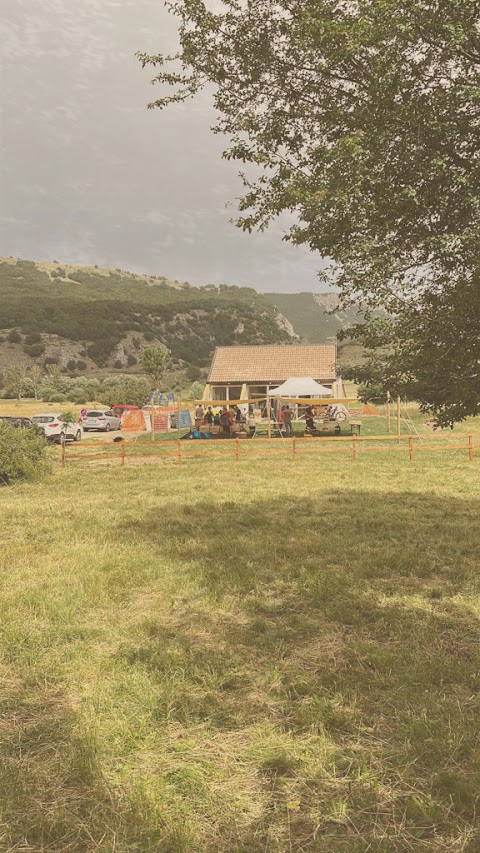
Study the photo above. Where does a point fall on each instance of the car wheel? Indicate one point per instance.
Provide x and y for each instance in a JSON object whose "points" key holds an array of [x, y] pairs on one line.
{"points": [[78, 435], [107, 428]]}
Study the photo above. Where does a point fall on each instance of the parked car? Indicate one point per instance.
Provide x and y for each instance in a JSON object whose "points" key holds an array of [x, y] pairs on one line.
{"points": [[17, 422], [55, 430], [102, 419]]}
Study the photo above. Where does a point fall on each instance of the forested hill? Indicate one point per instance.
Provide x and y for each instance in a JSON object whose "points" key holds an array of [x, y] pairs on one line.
{"points": [[87, 318]]}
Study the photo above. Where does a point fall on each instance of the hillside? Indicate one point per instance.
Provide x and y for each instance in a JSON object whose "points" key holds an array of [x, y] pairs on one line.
{"points": [[309, 314], [86, 318]]}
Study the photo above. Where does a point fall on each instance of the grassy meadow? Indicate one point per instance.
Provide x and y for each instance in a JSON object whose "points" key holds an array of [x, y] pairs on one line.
{"points": [[227, 657]]}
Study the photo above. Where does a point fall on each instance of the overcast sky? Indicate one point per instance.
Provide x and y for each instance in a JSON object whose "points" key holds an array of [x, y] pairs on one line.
{"points": [[89, 175]]}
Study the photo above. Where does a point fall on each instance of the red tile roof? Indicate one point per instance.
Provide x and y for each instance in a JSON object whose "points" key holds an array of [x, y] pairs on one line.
{"points": [[272, 363]]}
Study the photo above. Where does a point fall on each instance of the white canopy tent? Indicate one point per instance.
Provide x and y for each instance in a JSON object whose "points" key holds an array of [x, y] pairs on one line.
{"points": [[301, 386]]}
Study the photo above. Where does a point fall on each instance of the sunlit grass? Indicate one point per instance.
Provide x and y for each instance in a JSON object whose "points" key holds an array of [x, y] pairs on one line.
{"points": [[252, 656]]}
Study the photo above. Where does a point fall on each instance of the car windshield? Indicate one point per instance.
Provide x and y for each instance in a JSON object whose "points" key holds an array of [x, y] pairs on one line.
{"points": [[43, 419], [95, 414]]}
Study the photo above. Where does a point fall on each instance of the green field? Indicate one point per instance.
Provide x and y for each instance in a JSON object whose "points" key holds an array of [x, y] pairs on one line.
{"points": [[227, 657]]}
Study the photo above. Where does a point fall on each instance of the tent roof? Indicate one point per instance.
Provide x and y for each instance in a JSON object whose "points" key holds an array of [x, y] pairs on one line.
{"points": [[301, 386]]}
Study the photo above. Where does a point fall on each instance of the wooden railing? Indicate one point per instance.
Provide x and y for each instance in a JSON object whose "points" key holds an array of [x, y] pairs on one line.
{"points": [[177, 451]]}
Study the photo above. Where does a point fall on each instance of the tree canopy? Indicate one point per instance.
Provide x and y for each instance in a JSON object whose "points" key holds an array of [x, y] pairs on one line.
{"points": [[155, 359], [362, 118]]}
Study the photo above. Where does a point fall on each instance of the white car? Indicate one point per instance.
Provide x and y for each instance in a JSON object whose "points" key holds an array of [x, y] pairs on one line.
{"points": [[55, 429], [103, 419]]}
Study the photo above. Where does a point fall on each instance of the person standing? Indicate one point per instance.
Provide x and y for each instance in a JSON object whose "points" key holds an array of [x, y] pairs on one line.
{"points": [[287, 420], [225, 421], [310, 413], [198, 416], [209, 416]]}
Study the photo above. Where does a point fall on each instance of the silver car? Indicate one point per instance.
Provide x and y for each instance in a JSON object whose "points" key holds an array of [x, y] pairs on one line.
{"points": [[101, 419]]}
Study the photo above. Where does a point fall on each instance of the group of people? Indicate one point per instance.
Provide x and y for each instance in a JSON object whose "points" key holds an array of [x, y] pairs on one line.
{"points": [[224, 418]]}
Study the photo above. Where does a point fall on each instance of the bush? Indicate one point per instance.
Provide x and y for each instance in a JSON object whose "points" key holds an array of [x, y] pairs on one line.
{"points": [[35, 350], [79, 396], [81, 365], [53, 396], [33, 338], [71, 365], [131, 360], [22, 455], [118, 364], [14, 337], [193, 372], [50, 360]]}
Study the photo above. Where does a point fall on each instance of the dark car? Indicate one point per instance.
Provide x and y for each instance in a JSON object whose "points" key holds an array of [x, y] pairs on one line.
{"points": [[19, 423]]}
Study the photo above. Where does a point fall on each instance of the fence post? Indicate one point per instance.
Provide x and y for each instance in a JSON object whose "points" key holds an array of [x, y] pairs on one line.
{"points": [[179, 451], [152, 419], [123, 452], [470, 448], [63, 452], [294, 448], [354, 440], [410, 448], [236, 449], [398, 420]]}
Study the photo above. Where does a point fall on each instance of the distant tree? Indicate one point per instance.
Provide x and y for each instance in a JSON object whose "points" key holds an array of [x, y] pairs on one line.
{"points": [[35, 374], [14, 337], [81, 365], [15, 376], [155, 359], [131, 360], [54, 375], [196, 391], [71, 365], [126, 390]]}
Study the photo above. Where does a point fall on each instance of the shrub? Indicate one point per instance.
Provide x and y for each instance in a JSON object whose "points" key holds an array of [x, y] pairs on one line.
{"points": [[50, 360], [118, 364], [14, 337], [193, 372], [79, 396], [53, 396], [71, 365], [22, 454], [35, 350], [131, 360], [81, 365], [33, 338]]}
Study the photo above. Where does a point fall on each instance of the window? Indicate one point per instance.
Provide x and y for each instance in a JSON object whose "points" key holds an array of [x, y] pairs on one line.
{"points": [[219, 392], [234, 392]]}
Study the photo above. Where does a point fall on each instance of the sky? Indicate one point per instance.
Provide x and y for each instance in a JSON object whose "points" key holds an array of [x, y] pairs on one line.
{"points": [[88, 175]]}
